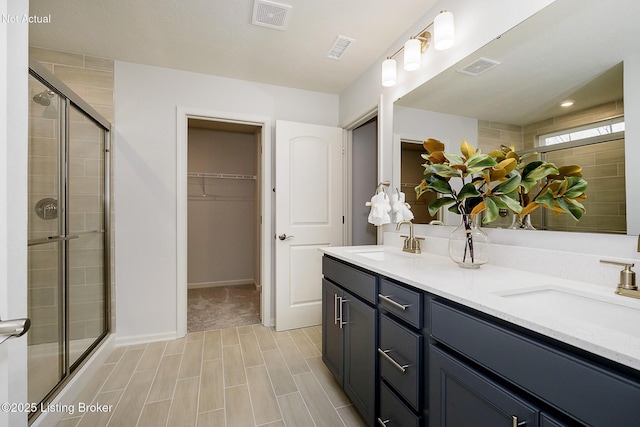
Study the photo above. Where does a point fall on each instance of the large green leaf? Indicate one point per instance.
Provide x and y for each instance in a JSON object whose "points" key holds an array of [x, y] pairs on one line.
{"points": [[491, 211], [546, 199], [454, 159], [479, 162], [438, 185], [468, 190], [510, 203], [442, 170], [576, 186], [508, 186], [438, 203]]}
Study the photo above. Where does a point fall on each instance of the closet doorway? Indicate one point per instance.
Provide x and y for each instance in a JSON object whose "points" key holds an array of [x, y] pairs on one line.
{"points": [[223, 224]]}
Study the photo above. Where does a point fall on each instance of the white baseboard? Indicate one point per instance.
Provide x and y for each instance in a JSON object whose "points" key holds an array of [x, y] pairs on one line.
{"points": [[145, 339], [222, 283], [68, 395]]}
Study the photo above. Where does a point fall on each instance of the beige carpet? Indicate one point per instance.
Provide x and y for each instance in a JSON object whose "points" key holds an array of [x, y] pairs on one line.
{"points": [[222, 307]]}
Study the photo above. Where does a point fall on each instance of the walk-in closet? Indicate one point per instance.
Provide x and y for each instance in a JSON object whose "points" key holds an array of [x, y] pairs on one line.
{"points": [[223, 259]]}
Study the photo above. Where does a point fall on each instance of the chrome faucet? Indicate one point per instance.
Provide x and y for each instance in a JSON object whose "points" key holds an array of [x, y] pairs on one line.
{"points": [[627, 286], [411, 243]]}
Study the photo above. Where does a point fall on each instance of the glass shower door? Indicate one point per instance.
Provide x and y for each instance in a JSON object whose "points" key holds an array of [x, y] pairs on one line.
{"points": [[68, 227], [85, 201], [46, 352]]}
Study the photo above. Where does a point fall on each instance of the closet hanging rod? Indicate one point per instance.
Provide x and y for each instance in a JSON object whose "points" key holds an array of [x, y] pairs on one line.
{"points": [[220, 175]]}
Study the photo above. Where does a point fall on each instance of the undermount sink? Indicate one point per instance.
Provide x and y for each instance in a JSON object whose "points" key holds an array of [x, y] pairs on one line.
{"points": [[610, 312], [378, 253]]}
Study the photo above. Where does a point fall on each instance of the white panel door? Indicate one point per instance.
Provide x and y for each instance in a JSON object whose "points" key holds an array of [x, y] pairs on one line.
{"points": [[308, 216]]}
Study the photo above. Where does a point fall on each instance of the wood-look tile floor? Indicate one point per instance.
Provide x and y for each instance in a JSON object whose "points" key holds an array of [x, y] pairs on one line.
{"points": [[242, 376]]}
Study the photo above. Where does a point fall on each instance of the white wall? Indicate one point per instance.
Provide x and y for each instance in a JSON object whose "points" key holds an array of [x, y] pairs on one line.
{"points": [[146, 100], [477, 23], [14, 96]]}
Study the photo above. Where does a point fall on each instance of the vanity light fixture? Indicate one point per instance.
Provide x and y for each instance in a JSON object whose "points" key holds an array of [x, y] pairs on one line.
{"points": [[443, 34]]}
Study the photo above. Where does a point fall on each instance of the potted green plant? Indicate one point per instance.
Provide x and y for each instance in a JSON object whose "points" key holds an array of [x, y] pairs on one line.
{"points": [[485, 185]]}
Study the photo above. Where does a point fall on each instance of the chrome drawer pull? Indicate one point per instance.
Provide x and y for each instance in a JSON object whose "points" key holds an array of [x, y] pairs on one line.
{"points": [[335, 309], [515, 423], [341, 320], [402, 368], [392, 302], [383, 423]]}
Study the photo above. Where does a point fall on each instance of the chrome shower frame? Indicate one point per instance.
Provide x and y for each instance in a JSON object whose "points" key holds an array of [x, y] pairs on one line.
{"points": [[69, 98]]}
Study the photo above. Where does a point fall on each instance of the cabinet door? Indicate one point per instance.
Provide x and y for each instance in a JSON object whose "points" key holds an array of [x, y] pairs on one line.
{"points": [[332, 347], [462, 397], [360, 348]]}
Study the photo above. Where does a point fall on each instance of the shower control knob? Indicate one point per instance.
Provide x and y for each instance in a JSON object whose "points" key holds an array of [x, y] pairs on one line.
{"points": [[285, 237]]}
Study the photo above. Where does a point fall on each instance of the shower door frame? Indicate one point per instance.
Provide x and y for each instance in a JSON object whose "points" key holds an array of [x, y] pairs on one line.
{"points": [[71, 99]]}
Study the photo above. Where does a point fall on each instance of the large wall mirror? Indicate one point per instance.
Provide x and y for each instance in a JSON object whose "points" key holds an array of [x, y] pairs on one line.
{"points": [[509, 93]]}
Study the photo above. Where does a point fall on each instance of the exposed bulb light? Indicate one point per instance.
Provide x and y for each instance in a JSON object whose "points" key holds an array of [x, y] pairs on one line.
{"points": [[444, 33], [567, 103], [412, 54], [389, 72]]}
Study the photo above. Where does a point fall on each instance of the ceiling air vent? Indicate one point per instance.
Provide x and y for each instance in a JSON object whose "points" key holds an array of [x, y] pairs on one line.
{"points": [[339, 46], [270, 14], [478, 67]]}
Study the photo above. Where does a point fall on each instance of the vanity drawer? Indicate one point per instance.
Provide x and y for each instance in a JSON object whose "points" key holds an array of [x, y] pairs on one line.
{"points": [[394, 413], [358, 282], [585, 390], [400, 354], [402, 302]]}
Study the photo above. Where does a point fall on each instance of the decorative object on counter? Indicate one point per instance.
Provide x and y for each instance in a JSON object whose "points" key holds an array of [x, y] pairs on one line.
{"points": [[400, 210], [468, 244], [486, 186], [380, 206], [559, 189], [521, 222]]}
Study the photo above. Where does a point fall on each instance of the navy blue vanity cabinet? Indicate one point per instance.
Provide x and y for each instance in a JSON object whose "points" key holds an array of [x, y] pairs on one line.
{"points": [[477, 361], [401, 355], [349, 332]]}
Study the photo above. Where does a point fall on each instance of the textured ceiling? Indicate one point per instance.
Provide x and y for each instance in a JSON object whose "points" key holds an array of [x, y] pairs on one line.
{"points": [[217, 37]]}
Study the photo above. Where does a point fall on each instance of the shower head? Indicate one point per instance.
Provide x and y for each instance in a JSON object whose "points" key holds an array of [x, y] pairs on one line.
{"points": [[44, 97]]}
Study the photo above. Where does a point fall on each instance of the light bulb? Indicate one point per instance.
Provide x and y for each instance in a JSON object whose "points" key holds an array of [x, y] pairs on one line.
{"points": [[412, 54], [443, 30], [388, 72]]}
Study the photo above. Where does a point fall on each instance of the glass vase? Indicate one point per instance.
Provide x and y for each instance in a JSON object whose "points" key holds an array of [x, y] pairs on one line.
{"points": [[468, 244], [521, 222]]}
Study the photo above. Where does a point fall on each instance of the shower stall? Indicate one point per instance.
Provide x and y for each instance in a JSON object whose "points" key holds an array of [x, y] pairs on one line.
{"points": [[68, 234]]}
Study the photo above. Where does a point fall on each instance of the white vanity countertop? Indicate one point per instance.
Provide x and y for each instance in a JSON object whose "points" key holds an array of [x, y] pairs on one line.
{"points": [[483, 289]]}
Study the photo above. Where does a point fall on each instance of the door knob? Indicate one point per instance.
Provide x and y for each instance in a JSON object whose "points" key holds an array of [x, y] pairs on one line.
{"points": [[285, 237]]}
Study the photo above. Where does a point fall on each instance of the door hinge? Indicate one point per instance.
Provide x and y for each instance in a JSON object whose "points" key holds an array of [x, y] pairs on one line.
{"points": [[343, 219]]}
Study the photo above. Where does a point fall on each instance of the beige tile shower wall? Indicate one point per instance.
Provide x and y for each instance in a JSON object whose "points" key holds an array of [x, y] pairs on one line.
{"points": [[603, 169], [606, 111], [92, 79], [491, 135]]}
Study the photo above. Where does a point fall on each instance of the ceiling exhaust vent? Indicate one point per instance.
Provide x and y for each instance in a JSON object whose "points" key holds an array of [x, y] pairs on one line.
{"points": [[478, 67], [270, 14], [339, 46]]}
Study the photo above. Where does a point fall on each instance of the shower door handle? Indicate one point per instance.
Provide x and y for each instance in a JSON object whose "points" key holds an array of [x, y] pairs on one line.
{"points": [[13, 328], [51, 239]]}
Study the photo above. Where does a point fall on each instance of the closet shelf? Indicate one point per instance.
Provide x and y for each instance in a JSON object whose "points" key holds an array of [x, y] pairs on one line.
{"points": [[220, 176]]}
